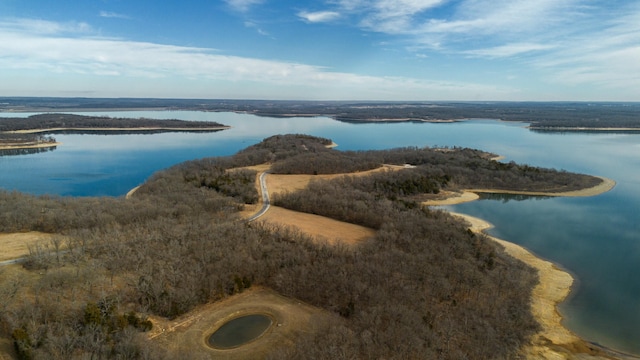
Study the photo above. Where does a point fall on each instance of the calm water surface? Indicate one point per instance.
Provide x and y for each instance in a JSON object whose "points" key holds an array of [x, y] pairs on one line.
{"points": [[597, 238]]}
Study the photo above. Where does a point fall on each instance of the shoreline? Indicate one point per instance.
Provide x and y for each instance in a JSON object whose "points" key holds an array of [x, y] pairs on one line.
{"points": [[158, 128], [554, 340], [581, 129], [468, 195], [29, 146]]}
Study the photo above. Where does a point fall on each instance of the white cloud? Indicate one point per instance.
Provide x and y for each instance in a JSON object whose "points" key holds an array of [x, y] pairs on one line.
{"points": [[243, 5], [44, 27], [319, 16], [109, 14], [29, 52], [510, 50]]}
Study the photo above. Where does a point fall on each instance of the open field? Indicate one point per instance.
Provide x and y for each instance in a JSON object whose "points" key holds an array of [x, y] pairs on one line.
{"points": [[17, 244], [189, 334], [319, 227]]}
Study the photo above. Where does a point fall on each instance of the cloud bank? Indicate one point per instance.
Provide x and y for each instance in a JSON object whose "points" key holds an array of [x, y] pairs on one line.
{"points": [[44, 46]]}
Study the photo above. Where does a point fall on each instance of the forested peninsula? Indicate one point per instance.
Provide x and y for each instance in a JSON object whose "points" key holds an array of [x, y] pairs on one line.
{"points": [[33, 132], [148, 276]]}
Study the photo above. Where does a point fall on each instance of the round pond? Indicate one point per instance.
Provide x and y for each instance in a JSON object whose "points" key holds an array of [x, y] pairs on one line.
{"points": [[239, 331]]}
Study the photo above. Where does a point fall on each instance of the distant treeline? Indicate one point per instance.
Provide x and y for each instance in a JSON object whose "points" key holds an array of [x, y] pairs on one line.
{"points": [[54, 121], [541, 115], [423, 287]]}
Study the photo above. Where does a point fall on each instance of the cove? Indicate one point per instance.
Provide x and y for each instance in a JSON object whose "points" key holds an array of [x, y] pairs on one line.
{"points": [[239, 331], [597, 239]]}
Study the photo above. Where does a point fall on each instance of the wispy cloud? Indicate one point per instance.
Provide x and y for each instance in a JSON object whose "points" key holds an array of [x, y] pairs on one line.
{"points": [[43, 27], [110, 14], [29, 50], [510, 50], [609, 57], [253, 25], [319, 16], [243, 5]]}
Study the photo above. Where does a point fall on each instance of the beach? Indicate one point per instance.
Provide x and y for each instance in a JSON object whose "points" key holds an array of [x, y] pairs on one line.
{"points": [[466, 195], [29, 146]]}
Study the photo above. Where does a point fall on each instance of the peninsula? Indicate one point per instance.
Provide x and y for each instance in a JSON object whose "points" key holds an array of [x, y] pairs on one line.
{"points": [[398, 279], [29, 133]]}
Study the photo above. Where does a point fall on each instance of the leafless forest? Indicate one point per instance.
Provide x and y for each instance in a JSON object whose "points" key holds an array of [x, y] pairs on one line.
{"points": [[423, 287]]}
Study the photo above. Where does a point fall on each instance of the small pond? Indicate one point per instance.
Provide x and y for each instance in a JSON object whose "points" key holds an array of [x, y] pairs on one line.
{"points": [[240, 331]]}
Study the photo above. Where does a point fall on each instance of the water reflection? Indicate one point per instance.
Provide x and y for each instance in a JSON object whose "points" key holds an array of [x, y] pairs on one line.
{"points": [[14, 152], [504, 198]]}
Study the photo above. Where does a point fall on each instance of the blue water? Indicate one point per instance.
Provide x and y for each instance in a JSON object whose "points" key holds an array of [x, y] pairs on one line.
{"points": [[596, 238]]}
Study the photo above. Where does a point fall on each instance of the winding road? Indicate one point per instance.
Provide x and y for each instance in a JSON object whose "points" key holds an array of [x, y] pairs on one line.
{"points": [[266, 202]]}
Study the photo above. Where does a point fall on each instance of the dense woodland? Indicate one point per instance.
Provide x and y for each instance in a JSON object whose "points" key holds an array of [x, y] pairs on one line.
{"points": [[423, 287], [547, 116]]}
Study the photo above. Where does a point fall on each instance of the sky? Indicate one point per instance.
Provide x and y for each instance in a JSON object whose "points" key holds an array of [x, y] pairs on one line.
{"points": [[404, 50]]}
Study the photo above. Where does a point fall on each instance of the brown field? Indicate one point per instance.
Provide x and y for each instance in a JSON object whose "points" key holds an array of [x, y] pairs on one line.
{"points": [[279, 183], [16, 245], [319, 227]]}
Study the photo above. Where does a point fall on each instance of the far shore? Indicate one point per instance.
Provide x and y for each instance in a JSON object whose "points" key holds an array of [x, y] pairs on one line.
{"points": [[159, 128], [579, 129]]}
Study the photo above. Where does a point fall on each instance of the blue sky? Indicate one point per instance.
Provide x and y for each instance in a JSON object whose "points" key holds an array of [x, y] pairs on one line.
{"points": [[537, 50]]}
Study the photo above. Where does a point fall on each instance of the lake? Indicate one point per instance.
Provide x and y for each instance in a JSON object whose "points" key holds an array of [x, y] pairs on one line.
{"points": [[597, 239]]}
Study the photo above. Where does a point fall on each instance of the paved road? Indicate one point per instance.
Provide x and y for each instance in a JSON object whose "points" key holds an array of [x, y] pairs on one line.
{"points": [[266, 203]]}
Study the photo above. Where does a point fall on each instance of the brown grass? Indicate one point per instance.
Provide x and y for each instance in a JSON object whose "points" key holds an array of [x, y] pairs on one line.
{"points": [[189, 334], [320, 227], [16, 245]]}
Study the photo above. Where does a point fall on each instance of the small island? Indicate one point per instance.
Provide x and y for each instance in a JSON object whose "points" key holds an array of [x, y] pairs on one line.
{"points": [[346, 262], [29, 133]]}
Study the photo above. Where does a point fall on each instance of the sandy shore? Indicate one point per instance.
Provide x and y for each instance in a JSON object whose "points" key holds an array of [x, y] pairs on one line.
{"points": [[131, 192], [467, 195], [554, 341], [29, 146]]}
